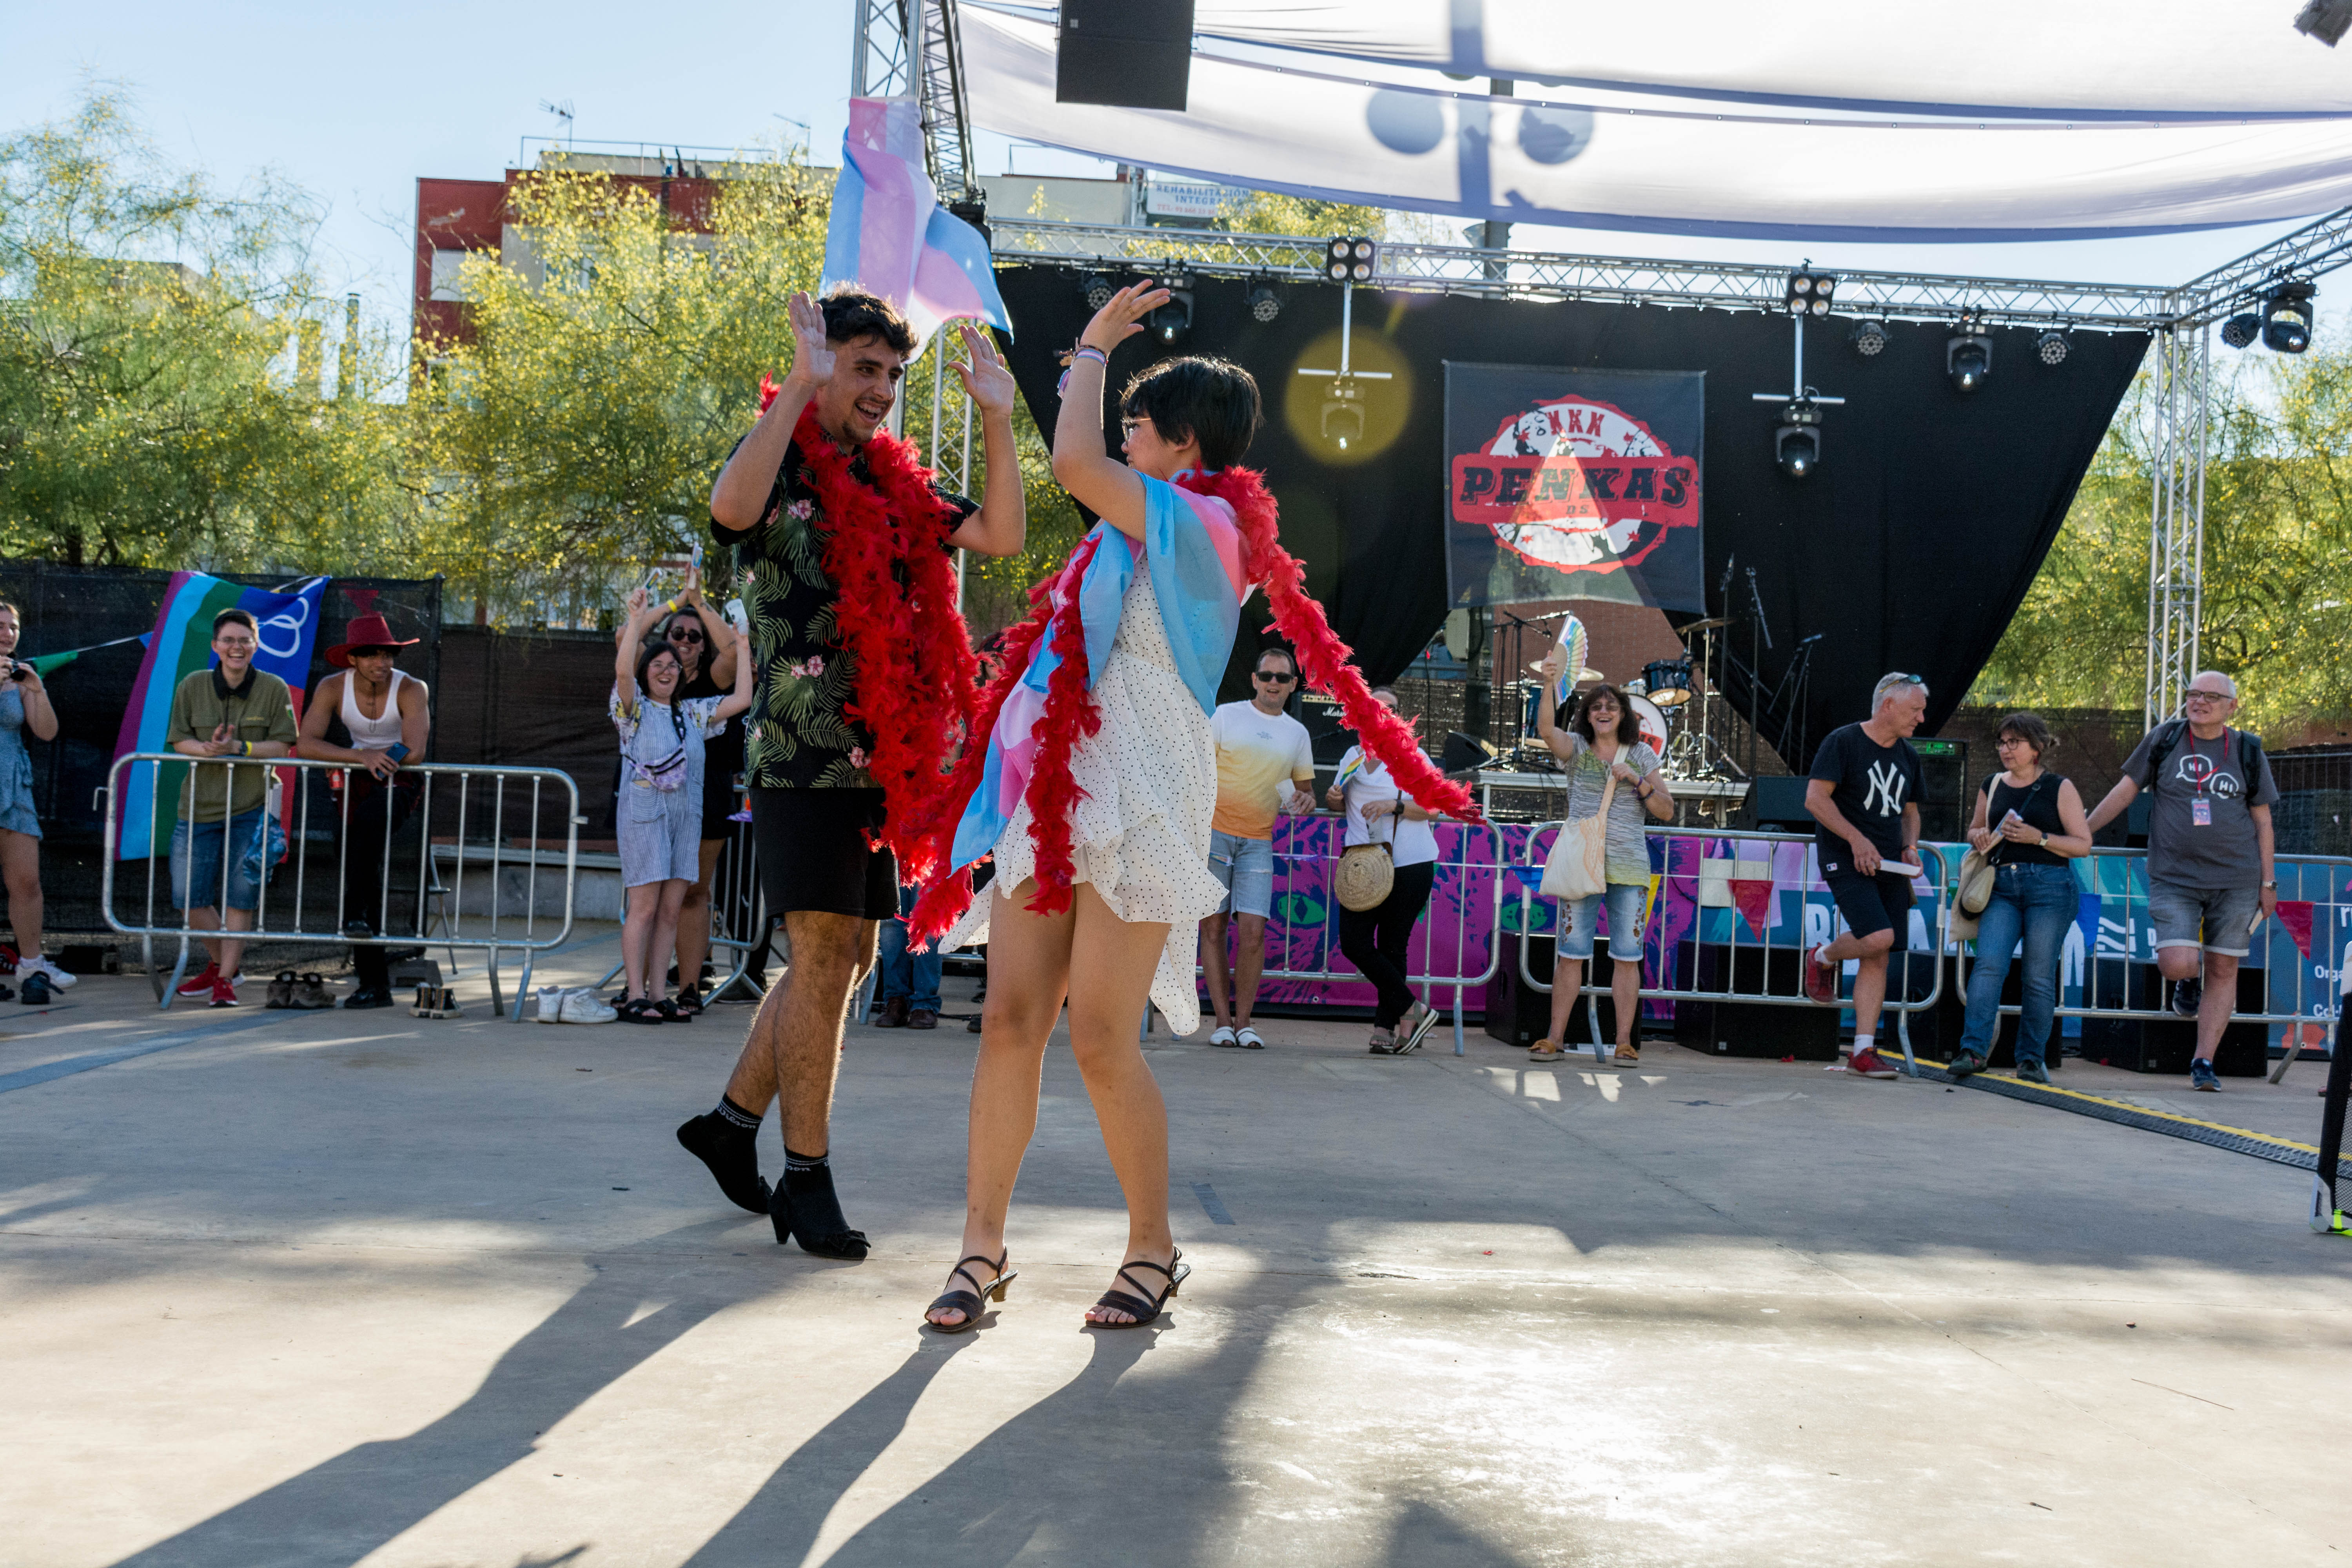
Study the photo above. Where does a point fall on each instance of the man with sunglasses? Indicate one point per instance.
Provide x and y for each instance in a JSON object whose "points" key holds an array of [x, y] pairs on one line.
{"points": [[1265, 765], [2211, 866]]}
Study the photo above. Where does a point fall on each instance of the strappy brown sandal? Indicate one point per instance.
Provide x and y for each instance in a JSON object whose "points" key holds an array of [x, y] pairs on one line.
{"points": [[1140, 1308], [969, 1302]]}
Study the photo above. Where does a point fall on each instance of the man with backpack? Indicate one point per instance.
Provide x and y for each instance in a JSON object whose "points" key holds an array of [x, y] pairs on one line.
{"points": [[2211, 871]]}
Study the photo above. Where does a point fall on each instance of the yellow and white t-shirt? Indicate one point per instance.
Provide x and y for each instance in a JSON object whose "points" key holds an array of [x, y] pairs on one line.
{"points": [[1259, 755]]}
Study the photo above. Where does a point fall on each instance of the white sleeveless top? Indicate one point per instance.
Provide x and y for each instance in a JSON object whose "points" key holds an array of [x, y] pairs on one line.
{"points": [[372, 734]]}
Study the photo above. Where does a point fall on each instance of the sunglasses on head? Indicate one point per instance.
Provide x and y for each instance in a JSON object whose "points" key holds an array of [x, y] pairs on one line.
{"points": [[1276, 677]]}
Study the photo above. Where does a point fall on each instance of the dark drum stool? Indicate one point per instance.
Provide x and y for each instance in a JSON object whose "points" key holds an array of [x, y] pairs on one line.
{"points": [[1668, 681]]}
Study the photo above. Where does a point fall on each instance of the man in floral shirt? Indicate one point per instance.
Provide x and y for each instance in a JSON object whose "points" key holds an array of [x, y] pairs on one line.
{"points": [[813, 801]]}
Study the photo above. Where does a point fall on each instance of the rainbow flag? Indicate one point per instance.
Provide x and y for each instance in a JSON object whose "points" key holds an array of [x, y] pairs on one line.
{"points": [[887, 232], [180, 646]]}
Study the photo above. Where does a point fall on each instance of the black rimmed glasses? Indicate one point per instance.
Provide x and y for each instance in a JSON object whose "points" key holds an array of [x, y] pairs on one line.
{"points": [[2194, 695]]}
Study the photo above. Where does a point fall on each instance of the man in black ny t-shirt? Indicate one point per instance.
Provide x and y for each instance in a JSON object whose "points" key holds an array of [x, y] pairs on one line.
{"points": [[1864, 792]]}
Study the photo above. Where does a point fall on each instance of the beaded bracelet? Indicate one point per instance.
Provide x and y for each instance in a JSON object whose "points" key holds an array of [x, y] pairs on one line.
{"points": [[1084, 350]]}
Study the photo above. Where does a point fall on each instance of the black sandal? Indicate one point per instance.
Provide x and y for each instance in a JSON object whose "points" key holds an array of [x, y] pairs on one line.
{"points": [[639, 1010], [965, 1302], [1139, 1310]]}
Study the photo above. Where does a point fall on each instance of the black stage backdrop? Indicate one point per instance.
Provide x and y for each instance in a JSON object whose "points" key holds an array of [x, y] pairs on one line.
{"points": [[1910, 549]]}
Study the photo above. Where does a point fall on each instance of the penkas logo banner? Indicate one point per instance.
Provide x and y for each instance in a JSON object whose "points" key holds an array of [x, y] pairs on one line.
{"points": [[1574, 484]]}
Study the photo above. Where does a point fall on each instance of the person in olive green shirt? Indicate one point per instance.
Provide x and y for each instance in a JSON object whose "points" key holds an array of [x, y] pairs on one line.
{"points": [[239, 712]]}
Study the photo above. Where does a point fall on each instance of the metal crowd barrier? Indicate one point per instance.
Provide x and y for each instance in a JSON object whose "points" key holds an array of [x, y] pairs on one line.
{"points": [[1659, 960], [738, 916], [461, 819], [2097, 961], [1475, 856]]}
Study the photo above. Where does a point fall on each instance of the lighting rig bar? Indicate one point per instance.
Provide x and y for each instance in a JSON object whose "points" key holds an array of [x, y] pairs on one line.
{"points": [[1673, 285], [947, 117], [2318, 247]]}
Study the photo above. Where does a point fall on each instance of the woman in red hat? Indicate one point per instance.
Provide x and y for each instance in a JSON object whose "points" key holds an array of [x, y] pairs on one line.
{"points": [[386, 719]]}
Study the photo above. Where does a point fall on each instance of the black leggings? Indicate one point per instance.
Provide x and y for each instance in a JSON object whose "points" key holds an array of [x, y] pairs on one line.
{"points": [[1374, 939]]}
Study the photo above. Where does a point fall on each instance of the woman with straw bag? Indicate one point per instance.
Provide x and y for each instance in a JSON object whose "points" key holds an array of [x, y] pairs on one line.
{"points": [[1383, 882], [1601, 856]]}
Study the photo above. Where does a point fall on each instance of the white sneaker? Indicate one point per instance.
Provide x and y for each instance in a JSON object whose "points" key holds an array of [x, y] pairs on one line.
{"points": [[37, 964], [585, 1006], [551, 1004]]}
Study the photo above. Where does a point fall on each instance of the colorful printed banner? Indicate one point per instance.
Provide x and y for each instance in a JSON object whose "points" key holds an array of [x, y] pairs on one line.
{"points": [[179, 646], [889, 235]]}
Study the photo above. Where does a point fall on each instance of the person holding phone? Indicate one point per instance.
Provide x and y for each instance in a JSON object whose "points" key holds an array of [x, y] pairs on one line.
{"points": [[386, 718], [24, 705], [2028, 822]]}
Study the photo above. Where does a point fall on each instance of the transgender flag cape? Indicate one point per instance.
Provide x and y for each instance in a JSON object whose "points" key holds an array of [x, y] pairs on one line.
{"points": [[1193, 553]]}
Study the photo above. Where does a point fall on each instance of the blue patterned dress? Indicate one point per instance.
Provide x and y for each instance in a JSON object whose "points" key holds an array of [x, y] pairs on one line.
{"points": [[16, 814]]}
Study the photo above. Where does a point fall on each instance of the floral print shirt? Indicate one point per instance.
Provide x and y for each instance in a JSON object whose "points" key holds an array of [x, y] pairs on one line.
{"points": [[796, 736]]}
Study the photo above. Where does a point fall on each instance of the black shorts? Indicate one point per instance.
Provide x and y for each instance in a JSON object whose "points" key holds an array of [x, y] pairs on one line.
{"points": [[1872, 904], [813, 852]]}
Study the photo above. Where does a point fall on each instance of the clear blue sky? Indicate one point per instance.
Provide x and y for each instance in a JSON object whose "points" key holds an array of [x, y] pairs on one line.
{"points": [[355, 103]]}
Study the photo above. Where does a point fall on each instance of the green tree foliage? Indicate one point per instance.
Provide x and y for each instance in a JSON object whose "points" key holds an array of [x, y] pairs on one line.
{"points": [[2277, 611], [160, 366]]}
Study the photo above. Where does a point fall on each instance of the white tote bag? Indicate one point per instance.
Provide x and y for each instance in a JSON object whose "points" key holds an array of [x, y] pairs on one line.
{"points": [[1579, 865]]}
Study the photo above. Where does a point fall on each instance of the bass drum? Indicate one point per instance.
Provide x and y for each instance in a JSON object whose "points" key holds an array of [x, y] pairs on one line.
{"points": [[1652, 723]]}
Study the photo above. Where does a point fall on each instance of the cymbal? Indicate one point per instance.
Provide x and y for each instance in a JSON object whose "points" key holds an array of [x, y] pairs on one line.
{"points": [[1706, 626]]}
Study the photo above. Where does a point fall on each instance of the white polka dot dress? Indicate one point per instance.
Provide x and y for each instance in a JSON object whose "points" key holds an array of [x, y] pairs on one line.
{"points": [[1141, 829]]}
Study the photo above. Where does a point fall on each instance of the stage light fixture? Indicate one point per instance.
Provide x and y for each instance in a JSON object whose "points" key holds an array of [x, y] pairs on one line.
{"points": [[1264, 304], [1796, 445], [1868, 338], [1343, 413], [1809, 291], [2241, 330], [2326, 20], [1350, 258], [1098, 289], [1967, 356], [2052, 347], [1171, 321], [2286, 318]]}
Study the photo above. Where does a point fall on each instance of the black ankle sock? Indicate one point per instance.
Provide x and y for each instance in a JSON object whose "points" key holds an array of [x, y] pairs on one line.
{"points": [[735, 1118], [725, 1140], [817, 1218]]}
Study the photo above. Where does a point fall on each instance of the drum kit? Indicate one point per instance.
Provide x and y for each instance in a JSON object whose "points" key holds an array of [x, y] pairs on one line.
{"points": [[1677, 709]]}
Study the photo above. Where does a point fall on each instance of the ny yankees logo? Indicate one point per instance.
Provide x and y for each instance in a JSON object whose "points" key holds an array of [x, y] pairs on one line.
{"points": [[1886, 785]]}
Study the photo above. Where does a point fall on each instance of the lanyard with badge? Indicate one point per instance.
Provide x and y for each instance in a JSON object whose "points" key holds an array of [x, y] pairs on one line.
{"points": [[2201, 804]]}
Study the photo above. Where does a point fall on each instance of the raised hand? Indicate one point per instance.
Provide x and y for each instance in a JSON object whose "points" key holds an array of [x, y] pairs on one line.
{"points": [[812, 355], [986, 377], [1122, 317]]}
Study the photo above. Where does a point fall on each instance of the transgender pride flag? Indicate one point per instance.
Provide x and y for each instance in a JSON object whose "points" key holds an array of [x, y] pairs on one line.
{"points": [[889, 235]]}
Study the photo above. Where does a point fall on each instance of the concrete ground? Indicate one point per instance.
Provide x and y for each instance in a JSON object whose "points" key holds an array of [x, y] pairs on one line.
{"points": [[309, 1288]]}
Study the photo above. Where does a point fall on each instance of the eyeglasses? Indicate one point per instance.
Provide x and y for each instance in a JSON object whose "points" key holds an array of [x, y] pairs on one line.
{"points": [[2008, 741], [1127, 428], [233, 644], [686, 633], [2193, 694], [1275, 678]]}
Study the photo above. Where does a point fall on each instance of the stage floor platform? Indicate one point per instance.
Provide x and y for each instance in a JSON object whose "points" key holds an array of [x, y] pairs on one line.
{"points": [[307, 1288]]}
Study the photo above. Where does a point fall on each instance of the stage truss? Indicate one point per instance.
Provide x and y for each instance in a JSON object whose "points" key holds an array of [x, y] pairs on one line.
{"points": [[2180, 318]]}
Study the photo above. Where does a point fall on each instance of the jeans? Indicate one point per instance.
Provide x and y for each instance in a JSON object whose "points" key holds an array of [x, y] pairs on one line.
{"points": [[914, 976], [196, 862], [2042, 901], [1374, 940]]}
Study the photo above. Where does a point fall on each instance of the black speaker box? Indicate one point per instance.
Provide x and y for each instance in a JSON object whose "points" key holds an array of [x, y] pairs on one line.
{"points": [[2166, 1045], [1518, 1014], [1779, 803], [1751, 1029], [1937, 1032], [1944, 807], [1120, 52]]}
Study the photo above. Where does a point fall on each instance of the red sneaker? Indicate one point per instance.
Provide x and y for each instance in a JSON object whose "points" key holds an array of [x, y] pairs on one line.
{"points": [[1870, 1063], [223, 994], [200, 983], [1820, 980]]}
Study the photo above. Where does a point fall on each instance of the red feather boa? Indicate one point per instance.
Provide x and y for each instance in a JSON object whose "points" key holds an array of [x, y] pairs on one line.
{"points": [[916, 674], [1070, 714]]}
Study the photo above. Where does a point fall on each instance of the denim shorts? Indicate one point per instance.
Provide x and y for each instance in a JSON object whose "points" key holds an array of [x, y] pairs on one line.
{"points": [[1581, 922], [197, 859], [1246, 866], [2212, 918]]}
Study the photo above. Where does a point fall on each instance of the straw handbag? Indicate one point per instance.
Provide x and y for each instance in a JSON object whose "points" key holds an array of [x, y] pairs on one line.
{"points": [[1365, 874], [1579, 865]]}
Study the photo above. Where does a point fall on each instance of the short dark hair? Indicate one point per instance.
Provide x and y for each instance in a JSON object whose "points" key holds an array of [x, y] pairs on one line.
{"points": [[1629, 725], [235, 616], [1276, 650], [2030, 729], [1212, 400], [850, 314], [654, 650]]}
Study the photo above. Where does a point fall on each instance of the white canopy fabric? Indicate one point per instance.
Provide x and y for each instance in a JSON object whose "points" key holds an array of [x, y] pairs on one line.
{"points": [[1658, 164], [2053, 59]]}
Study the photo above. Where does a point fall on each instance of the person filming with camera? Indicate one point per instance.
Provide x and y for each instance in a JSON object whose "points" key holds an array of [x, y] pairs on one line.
{"points": [[24, 705]]}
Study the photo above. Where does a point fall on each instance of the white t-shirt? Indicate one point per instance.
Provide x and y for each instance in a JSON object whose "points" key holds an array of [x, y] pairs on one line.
{"points": [[1414, 844], [1260, 758]]}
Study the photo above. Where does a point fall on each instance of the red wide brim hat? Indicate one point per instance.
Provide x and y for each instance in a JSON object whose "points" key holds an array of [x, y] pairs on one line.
{"points": [[366, 631]]}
